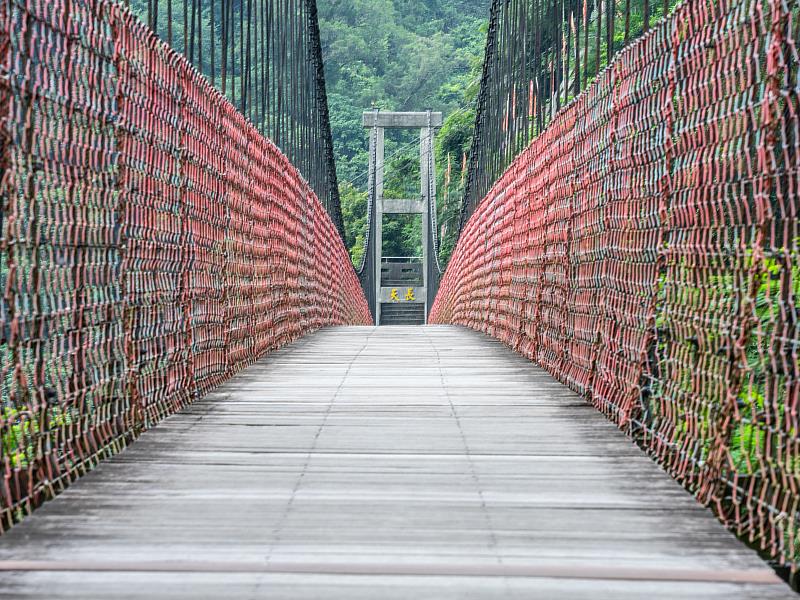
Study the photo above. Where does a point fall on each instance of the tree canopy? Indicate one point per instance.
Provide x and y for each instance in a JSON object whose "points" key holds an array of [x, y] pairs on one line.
{"points": [[402, 55], [391, 54]]}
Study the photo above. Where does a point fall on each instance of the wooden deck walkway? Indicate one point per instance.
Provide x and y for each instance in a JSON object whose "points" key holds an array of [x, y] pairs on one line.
{"points": [[380, 464]]}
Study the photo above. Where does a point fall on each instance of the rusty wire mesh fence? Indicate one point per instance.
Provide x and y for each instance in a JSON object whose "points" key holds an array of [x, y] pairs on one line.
{"points": [[645, 249], [153, 242]]}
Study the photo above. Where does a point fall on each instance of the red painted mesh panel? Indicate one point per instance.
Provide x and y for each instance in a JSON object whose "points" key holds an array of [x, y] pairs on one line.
{"points": [[158, 253], [654, 256], [592, 160], [635, 188], [751, 249], [152, 242], [205, 209], [62, 348], [715, 182]]}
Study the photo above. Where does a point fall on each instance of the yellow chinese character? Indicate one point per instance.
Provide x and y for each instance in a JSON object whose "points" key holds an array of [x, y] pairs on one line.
{"points": [[410, 295], [395, 297]]}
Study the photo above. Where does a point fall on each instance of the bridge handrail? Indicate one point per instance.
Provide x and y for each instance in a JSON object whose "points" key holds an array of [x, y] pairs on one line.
{"points": [[153, 242], [644, 250]]}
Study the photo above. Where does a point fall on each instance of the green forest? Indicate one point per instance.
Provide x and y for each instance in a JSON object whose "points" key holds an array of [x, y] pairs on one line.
{"points": [[427, 54], [402, 55], [410, 55]]}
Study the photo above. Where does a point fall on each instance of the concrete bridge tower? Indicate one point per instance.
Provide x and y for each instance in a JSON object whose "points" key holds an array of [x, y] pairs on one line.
{"points": [[401, 283]]}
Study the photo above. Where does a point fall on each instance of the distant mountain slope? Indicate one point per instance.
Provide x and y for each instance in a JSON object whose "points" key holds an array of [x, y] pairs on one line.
{"points": [[392, 54], [398, 55]]}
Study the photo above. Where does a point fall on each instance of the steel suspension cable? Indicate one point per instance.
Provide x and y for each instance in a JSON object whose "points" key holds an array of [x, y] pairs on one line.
{"points": [[556, 31], [266, 57]]}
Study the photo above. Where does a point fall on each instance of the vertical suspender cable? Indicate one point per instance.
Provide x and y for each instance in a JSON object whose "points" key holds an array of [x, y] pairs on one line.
{"points": [[224, 57], [199, 36], [248, 74], [186, 28], [213, 27], [585, 42], [577, 79], [242, 73], [264, 68], [599, 35], [232, 49], [192, 32], [570, 25], [257, 68]]}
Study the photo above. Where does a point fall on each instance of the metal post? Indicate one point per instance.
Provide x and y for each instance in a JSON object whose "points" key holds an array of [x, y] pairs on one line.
{"points": [[427, 180], [378, 122], [378, 245]]}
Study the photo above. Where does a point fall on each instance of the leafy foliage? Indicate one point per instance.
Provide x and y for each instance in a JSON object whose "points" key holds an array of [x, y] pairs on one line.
{"points": [[391, 54], [403, 55]]}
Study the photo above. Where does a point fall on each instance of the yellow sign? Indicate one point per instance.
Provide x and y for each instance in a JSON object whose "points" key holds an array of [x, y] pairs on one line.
{"points": [[409, 297]]}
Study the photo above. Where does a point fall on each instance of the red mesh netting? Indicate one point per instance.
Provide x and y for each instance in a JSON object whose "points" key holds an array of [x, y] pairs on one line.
{"points": [[645, 249], [153, 243]]}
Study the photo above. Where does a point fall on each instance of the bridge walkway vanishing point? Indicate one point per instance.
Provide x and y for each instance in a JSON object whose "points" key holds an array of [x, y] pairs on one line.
{"points": [[408, 462]]}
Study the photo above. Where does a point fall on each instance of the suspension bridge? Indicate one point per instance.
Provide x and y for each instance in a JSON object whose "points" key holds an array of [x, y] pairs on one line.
{"points": [[598, 397]]}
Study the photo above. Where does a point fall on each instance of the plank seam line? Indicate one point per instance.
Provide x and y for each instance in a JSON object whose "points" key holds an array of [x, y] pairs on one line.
{"points": [[467, 452], [753, 576], [310, 452]]}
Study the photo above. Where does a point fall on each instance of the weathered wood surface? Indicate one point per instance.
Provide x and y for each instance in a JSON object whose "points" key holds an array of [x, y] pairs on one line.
{"points": [[389, 463]]}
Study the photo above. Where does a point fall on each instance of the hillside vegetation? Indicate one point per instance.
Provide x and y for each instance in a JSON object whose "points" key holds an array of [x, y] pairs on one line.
{"points": [[402, 55], [389, 54]]}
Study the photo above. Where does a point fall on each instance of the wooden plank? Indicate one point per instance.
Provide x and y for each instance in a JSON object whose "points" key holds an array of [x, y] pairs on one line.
{"points": [[381, 463], [401, 120]]}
